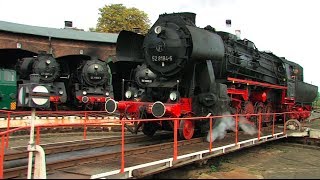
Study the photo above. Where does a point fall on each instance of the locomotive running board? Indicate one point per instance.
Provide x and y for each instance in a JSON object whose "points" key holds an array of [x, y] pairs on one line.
{"points": [[133, 171], [255, 83]]}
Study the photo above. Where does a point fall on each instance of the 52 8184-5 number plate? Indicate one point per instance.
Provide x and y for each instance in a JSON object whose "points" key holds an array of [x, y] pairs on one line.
{"points": [[162, 58]]}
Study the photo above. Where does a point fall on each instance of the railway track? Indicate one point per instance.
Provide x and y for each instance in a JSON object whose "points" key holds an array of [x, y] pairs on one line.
{"points": [[143, 148], [63, 147], [156, 144], [54, 148], [51, 166]]}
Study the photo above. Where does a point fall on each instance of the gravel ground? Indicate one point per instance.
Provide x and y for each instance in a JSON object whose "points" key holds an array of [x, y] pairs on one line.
{"points": [[268, 161]]}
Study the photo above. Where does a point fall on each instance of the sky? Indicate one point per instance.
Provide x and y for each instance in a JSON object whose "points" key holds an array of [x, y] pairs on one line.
{"points": [[288, 28]]}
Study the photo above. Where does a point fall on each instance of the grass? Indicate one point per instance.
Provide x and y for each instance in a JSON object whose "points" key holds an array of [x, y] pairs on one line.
{"points": [[215, 166]]}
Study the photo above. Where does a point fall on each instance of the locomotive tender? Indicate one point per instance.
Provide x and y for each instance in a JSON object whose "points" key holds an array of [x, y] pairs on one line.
{"points": [[189, 71]]}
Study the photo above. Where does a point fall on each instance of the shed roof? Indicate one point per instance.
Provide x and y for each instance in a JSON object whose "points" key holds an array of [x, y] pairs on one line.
{"points": [[58, 33]]}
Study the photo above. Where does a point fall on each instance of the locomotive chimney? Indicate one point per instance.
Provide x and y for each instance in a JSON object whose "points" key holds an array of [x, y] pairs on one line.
{"points": [[67, 24], [136, 30], [228, 22]]}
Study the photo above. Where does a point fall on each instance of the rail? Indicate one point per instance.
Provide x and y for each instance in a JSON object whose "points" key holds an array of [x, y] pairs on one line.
{"points": [[4, 135]]}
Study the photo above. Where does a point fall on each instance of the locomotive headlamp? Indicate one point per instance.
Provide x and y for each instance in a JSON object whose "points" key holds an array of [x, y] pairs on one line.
{"points": [[60, 92], [173, 96], [84, 92], [128, 94], [48, 61], [95, 66], [107, 93], [158, 29]]}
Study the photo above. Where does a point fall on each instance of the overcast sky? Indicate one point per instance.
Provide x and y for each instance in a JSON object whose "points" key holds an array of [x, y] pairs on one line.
{"points": [[288, 28]]}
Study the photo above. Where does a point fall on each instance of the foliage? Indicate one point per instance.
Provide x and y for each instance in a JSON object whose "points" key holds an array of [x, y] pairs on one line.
{"points": [[213, 168], [216, 164], [92, 29], [116, 17]]}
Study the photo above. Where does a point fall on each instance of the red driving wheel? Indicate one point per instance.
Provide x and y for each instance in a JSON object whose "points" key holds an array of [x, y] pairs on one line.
{"points": [[186, 129], [268, 118], [247, 109]]}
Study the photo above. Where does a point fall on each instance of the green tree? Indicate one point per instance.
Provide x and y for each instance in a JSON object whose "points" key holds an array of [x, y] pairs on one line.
{"points": [[116, 17]]}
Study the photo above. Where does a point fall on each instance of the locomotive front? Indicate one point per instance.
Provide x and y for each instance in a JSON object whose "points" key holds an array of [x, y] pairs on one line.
{"points": [[174, 41], [94, 85], [49, 70]]}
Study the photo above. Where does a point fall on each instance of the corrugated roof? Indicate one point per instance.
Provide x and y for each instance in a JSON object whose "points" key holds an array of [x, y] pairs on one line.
{"points": [[58, 33]]}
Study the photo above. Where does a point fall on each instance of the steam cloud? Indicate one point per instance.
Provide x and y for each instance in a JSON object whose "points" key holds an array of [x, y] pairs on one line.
{"points": [[228, 123]]}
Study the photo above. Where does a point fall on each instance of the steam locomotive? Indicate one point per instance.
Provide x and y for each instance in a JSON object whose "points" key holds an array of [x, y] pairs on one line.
{"points": [[49, 70], [185, 71], [92, 84], [74, 84]]}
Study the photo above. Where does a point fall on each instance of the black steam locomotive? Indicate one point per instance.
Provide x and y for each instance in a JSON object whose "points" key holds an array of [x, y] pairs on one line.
{"points": [[49, 70], [80, 84], [92, 84], [188, 71]]}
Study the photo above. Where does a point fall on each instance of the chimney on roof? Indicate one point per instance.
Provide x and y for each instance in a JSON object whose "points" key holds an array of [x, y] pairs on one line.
{"points": [[136, 30], [67, 24], [228, 22]]}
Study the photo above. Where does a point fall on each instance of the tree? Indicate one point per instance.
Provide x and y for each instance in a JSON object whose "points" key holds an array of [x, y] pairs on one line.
{"points": [[116, 17]]}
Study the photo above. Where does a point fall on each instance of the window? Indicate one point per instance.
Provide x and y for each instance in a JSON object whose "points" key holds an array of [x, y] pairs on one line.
{"points": [[9, 76]]}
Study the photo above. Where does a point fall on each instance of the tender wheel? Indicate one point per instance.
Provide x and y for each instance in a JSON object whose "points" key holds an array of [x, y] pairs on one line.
{"points": [[149, 129], [293, 124], [186, 129]]}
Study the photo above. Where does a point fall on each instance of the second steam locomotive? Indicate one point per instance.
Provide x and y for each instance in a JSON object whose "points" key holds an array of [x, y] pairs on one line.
{"points": [[78, 83]]}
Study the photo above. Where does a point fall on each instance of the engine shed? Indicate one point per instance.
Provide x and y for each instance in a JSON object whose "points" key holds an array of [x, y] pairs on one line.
{"points": [[19, 41]]}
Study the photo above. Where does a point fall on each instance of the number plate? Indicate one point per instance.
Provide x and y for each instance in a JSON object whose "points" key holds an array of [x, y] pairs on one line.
{"points": [[162, 58]]}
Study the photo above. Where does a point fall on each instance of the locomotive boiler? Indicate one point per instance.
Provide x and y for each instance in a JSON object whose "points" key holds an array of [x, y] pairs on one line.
{"points": [[92, 83], [201, 71], [49, 70]]}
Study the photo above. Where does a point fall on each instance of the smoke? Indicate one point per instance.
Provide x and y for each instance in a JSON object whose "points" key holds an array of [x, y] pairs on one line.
{"points": [[228, 123]]}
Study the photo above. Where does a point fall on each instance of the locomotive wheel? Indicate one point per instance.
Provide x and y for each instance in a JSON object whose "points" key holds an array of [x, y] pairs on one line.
{"points": [[267, 119], [258, 108], [186, 129], [149, 128], [247, 108], [293, 124]]}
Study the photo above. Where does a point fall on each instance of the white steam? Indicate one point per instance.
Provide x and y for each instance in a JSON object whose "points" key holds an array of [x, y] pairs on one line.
{"points": [[228, 123]]}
